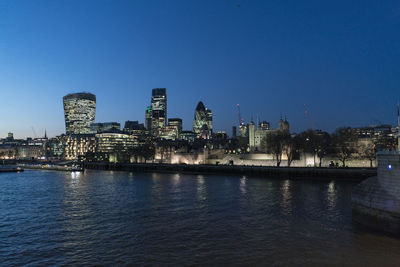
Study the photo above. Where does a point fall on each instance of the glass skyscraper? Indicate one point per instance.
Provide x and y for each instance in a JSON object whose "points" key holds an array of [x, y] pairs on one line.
{"points": [[202, 123], [158, 110], [79, 112]]}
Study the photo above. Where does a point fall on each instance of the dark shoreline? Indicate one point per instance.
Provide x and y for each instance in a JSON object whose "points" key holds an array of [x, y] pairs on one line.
{"points": [[279, 172]]}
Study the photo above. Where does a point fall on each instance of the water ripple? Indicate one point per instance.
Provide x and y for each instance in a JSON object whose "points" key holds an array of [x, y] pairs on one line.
{"points": [[117, 218]]}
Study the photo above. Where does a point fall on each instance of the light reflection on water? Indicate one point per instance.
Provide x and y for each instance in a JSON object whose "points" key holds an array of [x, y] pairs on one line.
{"points": [[105, 218], [331, 195], [243, 189], [201, 188], [286, 197]]}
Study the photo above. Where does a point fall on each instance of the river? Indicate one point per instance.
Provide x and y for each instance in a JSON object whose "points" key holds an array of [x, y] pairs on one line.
{"points": [[105, 217]]}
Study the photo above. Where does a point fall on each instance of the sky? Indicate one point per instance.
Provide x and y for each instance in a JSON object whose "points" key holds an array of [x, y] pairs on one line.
{"points": [[322, 64]]}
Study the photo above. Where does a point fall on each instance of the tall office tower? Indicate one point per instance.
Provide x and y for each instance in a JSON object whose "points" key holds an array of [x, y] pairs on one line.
{"points": [[177, 122], [234, 130], [202, 123], [79, 112], [158, 110], [147, 120]]}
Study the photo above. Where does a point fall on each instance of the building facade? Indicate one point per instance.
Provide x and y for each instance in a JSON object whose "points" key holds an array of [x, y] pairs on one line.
{"points": [[169, 132], [78, 145], [202, 123], [177, 122], [115, 142], [99, 127], [147, 120], [79, 112], [158, 110]]}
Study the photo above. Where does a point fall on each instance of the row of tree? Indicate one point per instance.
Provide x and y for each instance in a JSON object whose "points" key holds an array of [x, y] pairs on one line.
{"points": [[342, 144]]}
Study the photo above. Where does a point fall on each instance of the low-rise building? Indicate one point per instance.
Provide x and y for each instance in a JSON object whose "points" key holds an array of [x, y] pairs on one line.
{"points": [[78, 145]]}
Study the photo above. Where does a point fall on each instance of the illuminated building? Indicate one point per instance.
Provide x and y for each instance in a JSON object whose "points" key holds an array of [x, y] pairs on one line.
{"points": [[115, 142], [30, 151], [137, 129], [147, 120], [133, 125], [252, 129], [202, 123], [243, 130], [188, 136], [284, 125], [264, 125], [54, 148], [221, 135], [77, 145], [99, 127], [169, 132], [259, 135], [79, 112], [177, 123], [158, 110], [256, 135]]}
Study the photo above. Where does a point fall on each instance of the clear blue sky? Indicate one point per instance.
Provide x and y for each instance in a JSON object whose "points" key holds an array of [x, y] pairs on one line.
{"points": [[340, 58]]}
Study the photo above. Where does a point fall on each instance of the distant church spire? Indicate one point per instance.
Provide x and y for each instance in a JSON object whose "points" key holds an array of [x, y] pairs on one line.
{"points": [[45, 134]]}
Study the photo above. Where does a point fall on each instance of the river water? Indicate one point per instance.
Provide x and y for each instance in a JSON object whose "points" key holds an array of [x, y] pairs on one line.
{"points": [[104, 218]]}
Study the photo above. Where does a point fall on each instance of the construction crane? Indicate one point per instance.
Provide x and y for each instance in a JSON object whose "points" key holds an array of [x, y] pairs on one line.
{"points": [[241, 121], [34, 132]]}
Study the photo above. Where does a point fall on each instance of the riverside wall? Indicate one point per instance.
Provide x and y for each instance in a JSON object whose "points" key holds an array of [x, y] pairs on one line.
{"points": [[376, 201], [281, 172]]}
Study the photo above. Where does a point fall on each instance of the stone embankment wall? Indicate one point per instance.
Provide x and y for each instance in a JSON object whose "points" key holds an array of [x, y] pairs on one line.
{"points": [[317, 173], [376, 201], [306, 160]]}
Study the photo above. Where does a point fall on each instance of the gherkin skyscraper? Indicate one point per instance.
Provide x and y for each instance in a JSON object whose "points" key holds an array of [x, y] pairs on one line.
{"points": [[202, 123]]}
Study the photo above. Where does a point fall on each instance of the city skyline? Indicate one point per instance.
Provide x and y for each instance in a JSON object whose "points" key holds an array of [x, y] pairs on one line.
{"points": [[272, 59]]}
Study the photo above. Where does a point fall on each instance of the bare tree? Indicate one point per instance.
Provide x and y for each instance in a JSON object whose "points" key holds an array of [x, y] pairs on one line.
{"points": [[274, 143], [315, 142], [344, 144], [368, 152], [291, 145]]}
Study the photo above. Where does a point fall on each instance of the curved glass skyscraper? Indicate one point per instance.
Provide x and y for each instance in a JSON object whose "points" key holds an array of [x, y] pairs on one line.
{"points": [[202, 123], [79, 112]]}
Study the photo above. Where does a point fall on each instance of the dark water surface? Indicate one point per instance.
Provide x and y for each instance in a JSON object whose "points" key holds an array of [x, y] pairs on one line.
{"points": [[99, 217]]}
